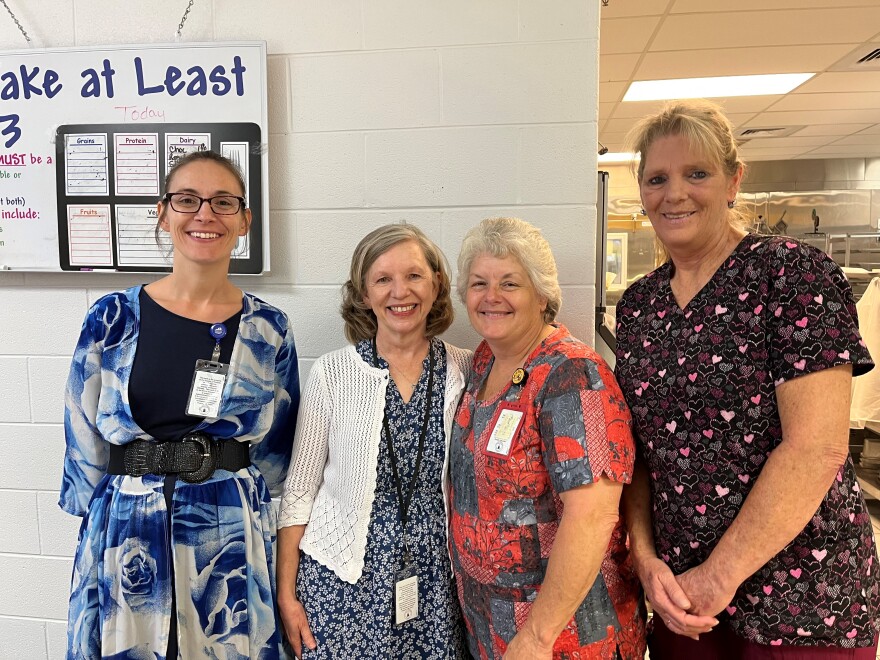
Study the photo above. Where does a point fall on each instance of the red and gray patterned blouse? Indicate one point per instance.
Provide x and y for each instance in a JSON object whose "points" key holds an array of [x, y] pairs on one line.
{"points": [[701, 384], [505, 510]]}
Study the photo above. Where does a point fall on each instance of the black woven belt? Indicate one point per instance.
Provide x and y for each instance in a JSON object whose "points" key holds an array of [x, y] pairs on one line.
{"points": [[193, 458]]}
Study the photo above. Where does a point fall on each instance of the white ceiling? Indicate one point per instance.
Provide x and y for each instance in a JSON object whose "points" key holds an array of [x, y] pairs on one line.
{"points": [[838, 110]]}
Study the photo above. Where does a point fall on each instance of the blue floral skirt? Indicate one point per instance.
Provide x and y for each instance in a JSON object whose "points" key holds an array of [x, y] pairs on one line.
{"points": [[353, 621], [221, 537]]}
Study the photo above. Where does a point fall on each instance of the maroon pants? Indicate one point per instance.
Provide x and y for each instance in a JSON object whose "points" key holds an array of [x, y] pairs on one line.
{"points": [[722, 644]]}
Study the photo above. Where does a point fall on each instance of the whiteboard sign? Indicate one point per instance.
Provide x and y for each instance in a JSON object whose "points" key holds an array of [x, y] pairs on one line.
{"points": [[87, 136]]}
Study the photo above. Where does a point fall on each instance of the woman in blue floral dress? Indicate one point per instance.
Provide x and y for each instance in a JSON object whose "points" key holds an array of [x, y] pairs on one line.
{"points": [[175, 550], [363, 515]]}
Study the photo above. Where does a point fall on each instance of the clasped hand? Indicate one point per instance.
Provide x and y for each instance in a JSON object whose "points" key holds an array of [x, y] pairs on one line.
{"points": [[687, 603]]}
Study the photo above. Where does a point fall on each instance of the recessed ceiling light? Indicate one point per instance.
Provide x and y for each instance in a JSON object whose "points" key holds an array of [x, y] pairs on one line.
{"points": [[692, 88]]}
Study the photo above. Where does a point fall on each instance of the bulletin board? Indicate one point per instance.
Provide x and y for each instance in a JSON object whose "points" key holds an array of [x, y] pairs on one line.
{"points": [[109, 176], [134, 110]]}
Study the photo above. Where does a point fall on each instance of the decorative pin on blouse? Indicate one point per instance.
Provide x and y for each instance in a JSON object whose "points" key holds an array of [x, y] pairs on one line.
{"points": [[519, 376]]}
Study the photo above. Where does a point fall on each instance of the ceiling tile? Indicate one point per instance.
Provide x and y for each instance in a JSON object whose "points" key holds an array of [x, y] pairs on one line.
{"points": [[617, 67], [872, 129], [842, 151], [693, 6], [808, 117], [605, 110], [626, 35], [738, 61], [835, 101], [793, 142], [831, 129], [625, 8], [610, 92], [841, 81], [860, 138], [759, 28]]}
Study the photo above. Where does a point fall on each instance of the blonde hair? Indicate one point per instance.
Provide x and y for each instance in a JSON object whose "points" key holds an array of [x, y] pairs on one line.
{"points": [[512, 237], [703, 125], [360, 321]]}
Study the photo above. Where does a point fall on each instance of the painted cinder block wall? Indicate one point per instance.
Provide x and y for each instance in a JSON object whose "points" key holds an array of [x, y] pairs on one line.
{"points": [[438, 113]]}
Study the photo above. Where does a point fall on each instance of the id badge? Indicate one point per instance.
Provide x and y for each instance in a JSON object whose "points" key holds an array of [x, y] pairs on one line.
{"points": [[508, 421], [406, 594], [206, 391]]}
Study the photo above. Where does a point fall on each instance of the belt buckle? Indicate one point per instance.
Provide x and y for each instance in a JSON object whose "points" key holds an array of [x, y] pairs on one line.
{"points": [[210, 452]]}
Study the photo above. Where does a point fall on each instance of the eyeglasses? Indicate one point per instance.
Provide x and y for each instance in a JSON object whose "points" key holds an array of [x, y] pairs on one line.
{"points": [[220, 204]]}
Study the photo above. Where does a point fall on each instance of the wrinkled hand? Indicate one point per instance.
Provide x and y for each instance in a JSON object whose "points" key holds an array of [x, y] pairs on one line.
{"points": [[705, 590], [671, 602], [525, 646], [296, 626]]}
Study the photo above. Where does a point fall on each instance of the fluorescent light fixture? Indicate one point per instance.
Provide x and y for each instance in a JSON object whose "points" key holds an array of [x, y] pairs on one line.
{"points": [[692, 88], [618, 157]]}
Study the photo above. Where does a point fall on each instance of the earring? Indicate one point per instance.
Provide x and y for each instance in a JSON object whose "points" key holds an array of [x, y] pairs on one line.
{"points": [[642, 211], [731, 203]]}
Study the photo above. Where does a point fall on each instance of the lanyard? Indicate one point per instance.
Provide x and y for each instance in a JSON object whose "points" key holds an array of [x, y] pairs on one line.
{"points": [[405, 502]]}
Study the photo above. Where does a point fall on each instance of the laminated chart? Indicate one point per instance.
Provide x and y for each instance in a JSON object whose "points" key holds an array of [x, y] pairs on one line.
{"points": [[85, 164], [112, 181], [137, 163]]}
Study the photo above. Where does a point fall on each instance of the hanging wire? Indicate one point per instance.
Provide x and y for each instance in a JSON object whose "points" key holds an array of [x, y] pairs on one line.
{"points": [[182, 20], [17, 24]]}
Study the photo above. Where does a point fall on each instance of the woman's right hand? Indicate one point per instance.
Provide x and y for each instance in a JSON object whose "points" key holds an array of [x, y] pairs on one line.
{"points": [[296, 626], [669, 601]]}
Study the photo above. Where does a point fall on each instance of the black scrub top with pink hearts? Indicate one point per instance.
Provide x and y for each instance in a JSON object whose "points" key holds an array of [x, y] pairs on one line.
{"points": [[701, 384]]}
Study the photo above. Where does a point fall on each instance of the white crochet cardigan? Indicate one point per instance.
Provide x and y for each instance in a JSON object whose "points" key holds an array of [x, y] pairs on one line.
{"points": [[331, 482]]}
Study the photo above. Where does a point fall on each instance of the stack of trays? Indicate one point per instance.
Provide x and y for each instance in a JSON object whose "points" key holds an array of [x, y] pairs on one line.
{"points": [[870, 460]]}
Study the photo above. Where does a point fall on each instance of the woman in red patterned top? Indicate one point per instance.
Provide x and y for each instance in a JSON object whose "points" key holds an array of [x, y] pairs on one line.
{"points": [[541, 447], [736, 358]]}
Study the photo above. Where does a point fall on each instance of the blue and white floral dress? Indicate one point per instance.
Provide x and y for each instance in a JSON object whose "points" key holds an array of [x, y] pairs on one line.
{"points": [[357, 620], [221, 530]]}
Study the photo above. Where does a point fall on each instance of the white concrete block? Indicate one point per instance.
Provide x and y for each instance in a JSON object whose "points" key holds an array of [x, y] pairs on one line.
{"points": [[40, 321], [59, 530], [326, 240], [48, 377], [557, 164], [22, 639], [442, 167], [461, 333], [18, 523], [278, 79], [391, 89], [420, 23], [283, 241], [578, 311], [317, 170], [561, 19], [314, 315], [520, 83], [36, 587], [101, 22], [14, 390], [292, 26], [570, 230], [56, 639], [48, 23], [31, 456]]}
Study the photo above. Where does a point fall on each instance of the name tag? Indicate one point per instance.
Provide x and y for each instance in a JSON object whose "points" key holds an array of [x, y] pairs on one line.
{"points": [[508, 422], [406, 595], [206, 391]]}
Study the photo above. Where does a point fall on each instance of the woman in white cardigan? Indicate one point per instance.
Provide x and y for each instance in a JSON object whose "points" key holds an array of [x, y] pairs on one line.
{"points": [[363, 564]]}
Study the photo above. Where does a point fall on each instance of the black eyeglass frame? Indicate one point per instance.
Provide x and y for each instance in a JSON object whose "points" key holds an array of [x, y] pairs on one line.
{"points": [[242, 202]]}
